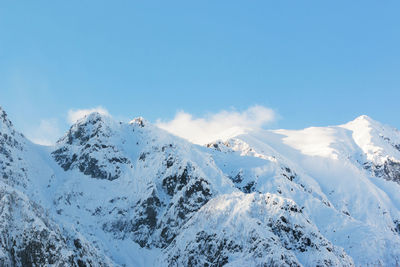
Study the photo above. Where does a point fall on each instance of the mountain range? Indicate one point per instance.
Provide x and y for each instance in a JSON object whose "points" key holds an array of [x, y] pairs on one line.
{"points": [[112, 193]]}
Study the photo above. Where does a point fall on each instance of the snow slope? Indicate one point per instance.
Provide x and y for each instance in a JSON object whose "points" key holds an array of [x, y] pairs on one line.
{"points": [[345, 177], [131, 194]]}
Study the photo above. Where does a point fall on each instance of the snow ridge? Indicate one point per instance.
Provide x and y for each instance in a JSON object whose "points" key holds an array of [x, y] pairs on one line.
{"points": [[130, 194]]}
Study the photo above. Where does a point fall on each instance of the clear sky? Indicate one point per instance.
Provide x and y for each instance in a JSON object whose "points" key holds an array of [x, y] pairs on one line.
{"points": [[313, 63]]}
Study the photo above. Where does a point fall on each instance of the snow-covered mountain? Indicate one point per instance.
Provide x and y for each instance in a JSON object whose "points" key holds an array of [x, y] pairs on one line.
{"points": [[131, 194]]}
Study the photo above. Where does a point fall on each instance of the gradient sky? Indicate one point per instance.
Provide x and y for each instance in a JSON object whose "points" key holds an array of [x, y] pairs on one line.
{"points": [[314, 63]]}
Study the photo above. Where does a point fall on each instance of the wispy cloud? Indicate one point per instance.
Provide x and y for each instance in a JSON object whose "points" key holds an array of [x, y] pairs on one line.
{"points": [[200, 130], [46, 133], [76, 114], [219, 125]]}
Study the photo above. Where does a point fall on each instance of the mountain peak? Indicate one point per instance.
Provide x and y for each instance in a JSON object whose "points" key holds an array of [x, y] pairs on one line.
{"points": [[139, 121], [92, 118], [363, 121], [302, 197], [364, 118], [90, 126]]}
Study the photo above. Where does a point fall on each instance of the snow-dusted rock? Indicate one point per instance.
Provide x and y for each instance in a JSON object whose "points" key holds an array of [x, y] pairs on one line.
{"points": [[29, 238], [252, 230], [87, 147], [12, 168], [135, 195]]}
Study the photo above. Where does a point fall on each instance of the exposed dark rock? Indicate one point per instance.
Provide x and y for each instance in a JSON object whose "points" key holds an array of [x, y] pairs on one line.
{"points": [[85, 139], [196, 193], [288, 174], [238, 178], [390, 170], [248, 188], [139, 227], [175, 182], [397, 226], [170, 162]]}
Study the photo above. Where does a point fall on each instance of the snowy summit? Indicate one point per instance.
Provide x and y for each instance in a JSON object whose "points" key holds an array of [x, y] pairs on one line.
{"points": [[131, 194]]}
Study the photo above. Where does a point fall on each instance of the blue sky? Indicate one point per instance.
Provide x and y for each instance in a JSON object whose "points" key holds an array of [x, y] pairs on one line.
{"points": [[313, 63]]}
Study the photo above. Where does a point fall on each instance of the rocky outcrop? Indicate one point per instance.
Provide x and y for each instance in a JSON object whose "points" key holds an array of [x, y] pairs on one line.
{"points": [[29, 238], [252, 229], [389, 170], [87, 148], [13, 170]]}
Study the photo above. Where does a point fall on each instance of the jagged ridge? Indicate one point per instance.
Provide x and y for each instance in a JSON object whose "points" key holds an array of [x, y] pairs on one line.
{"points": [[141, 196]]}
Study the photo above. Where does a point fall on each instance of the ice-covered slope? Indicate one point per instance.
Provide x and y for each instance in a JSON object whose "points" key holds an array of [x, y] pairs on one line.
{"points": [[344, 176], [135, 195]]}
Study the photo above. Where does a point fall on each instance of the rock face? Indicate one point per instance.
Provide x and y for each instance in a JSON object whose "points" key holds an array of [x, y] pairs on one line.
{"points": [[156, 219], [97, 147], [131, 194], [12, 167], [29, 238], [255, 230], [87, 147], [389, 170]]}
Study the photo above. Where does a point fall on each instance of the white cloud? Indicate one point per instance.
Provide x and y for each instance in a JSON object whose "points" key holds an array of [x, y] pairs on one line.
{"points": [[75, 114], [46, 133], [221, 125]]}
